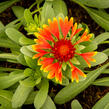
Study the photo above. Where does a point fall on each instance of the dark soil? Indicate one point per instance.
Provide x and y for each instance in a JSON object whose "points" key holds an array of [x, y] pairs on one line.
{"points": [[93, 93]]}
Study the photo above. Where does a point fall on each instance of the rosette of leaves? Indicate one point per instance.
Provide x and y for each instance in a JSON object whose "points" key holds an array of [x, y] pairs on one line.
{"points": [[29, 85]]}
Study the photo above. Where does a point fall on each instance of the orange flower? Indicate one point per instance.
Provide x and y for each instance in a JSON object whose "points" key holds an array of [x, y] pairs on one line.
{"points": [[55, 48]]}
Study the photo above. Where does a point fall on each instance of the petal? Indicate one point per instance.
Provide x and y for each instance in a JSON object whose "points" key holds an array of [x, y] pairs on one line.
{"points": [[84, 37], [39, 55], [65, 25], [53, 27], [45, 33], [88, 57], [75, 72]]}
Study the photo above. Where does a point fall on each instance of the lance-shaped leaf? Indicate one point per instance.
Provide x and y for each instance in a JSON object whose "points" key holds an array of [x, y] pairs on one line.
{"points": [[5, 99], [7, 81], [73, 89], [103, 103], [41, 96], [76, 105], [21, 93]]}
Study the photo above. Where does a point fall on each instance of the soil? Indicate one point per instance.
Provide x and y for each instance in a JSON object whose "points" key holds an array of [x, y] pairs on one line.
{"points": [[93, 93]]}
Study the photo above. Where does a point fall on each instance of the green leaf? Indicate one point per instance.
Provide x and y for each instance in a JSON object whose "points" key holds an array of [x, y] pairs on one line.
{"points": [[14, 34], [2, 30], [102, 37], [5, 99], [103, 103], [76, 105], [7, 43], [21, 94], [100, 58], [19, 13], [106, 71], [94, 3], [91, 47], [26, 41], [24, 50], [9, 69], [28, 16], [49, 104], [74, 89], [99, 17], [106, 51], [41, 96], [47, 13], [59, 7], [31, 62], [21, 59], [6, 4], [8, 56], [30, 99], [102, 82], [7, 81]]}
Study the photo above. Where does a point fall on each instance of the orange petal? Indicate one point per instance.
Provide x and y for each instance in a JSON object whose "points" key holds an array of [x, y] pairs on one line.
{"points": [[76, 72], [53, 27], [65, 25], [46, 34], [84, 37], [88, 57]]}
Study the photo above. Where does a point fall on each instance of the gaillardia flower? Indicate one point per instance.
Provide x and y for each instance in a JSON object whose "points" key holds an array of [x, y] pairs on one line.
{"points": [[54, 48]]}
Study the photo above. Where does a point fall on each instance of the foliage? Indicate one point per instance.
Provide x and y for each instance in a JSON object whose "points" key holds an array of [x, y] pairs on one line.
{"points": [[28, 84]]}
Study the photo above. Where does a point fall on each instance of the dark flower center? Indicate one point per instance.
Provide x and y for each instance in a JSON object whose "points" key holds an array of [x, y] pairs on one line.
{"points": [[63, 50]]}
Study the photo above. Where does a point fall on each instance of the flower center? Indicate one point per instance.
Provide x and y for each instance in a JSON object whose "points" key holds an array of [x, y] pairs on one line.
{"points": [[63, 50]]}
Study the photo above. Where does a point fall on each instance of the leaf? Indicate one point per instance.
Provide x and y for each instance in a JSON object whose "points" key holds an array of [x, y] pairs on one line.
{"points": [[21, 94], [26, 41], [21, 59], [7, 43], [5, 99], [102, 82], [102, 37], [99, 17], [103, 103], [89, 48], [14, 34], [24, 50], [31, 62], [7, 81], [94, 3], [6, 4], [73, 89], [41, 96], [28, 16], [106, 51], [76, 105], [59, 6], [8, 56], [47, 13], [30, 99], [49, 104], [19, 13], [99, 57], [106, 71]]}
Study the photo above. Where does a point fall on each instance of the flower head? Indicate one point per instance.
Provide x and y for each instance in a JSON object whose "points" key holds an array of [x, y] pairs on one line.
{"points": [[55, 48]]}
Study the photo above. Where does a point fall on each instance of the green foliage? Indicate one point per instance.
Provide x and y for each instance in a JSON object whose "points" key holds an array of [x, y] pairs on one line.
{"points": [[6, 4], [41, 96], [21, 94], [76, 105], [74, 89], [5, 99], [103, 103], [95, 3]]}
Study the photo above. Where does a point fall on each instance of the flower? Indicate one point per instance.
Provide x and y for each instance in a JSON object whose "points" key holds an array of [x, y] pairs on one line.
{"points": [[55, 48]]}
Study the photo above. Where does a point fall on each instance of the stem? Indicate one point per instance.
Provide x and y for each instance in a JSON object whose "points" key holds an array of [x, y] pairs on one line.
{"points": [[32, 5]]}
